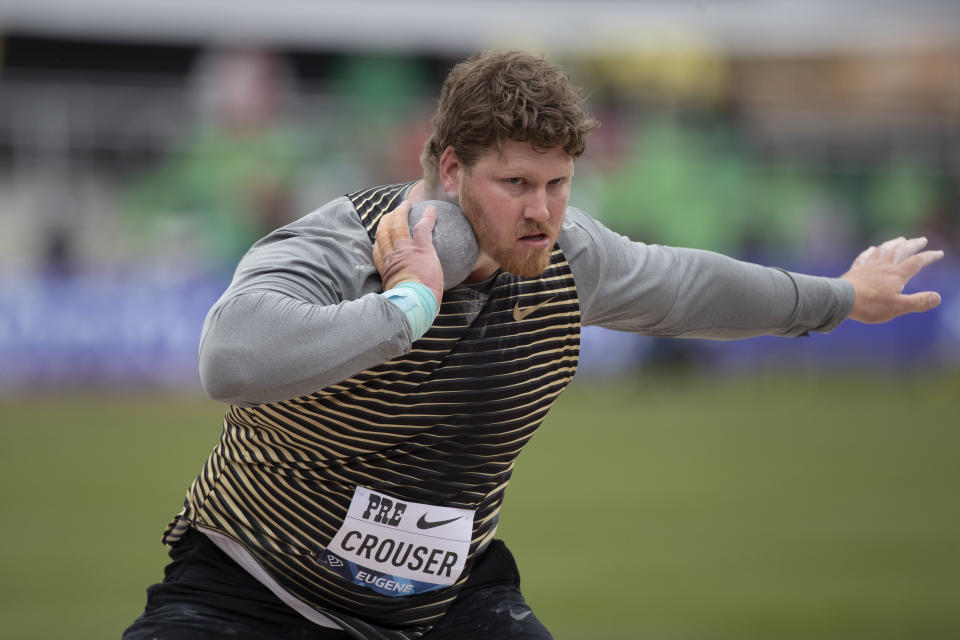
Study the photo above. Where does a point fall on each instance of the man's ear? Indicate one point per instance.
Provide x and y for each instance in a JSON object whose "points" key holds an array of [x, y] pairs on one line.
{"points": [[451, 171]]}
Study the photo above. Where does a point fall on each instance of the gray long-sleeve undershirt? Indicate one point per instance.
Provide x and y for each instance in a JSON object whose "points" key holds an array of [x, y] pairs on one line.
{"points": [[303, 310]]}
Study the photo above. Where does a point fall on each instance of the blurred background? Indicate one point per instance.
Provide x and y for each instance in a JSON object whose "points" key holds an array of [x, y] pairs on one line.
{"points": [[144, 147]]}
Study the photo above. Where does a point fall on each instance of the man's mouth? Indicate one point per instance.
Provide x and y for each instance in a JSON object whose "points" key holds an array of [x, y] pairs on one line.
{"points": [[535, 240]]}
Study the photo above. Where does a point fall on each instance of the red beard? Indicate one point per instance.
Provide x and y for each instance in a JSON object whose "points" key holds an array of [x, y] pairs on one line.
{"points": [[525, 263]]}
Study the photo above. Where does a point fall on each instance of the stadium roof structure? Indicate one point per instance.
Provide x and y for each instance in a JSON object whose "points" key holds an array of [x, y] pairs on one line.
{"points": [[569, 26]]}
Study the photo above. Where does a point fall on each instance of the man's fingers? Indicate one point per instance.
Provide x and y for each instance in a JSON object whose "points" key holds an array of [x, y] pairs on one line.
{"points": [[897, 250], [392, 228], [919, 302], [880, 274], [907, 248], [397, 222], [915, 263], [400, 256], [382, 241], [423, 230], [889, 246], [865, 255]]}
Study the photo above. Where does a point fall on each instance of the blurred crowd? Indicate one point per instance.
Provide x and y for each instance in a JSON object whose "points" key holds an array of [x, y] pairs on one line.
{"points": [[129, 187]]}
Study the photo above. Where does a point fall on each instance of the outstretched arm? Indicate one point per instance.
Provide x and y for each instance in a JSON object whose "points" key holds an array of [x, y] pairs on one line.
{"points": [[674, 292], [688, 293], [879, 275]]}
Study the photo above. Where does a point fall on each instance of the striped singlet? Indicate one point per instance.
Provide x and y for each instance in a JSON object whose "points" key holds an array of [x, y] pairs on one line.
{"points": [[439, 425]]}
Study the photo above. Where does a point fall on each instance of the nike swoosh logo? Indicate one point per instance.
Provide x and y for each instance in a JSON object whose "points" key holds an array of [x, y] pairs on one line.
{"points": [[422, 523], [519, 314]]}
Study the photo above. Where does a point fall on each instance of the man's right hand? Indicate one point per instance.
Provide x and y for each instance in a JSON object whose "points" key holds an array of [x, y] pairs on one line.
{"points": [[402, 258]]}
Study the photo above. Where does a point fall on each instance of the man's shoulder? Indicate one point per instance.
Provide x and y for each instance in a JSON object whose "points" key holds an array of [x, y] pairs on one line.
{"points": [[336, 220], [338, 207], [377, 195], [580, 230], [351, 213], [372, 203], [576, 218]]}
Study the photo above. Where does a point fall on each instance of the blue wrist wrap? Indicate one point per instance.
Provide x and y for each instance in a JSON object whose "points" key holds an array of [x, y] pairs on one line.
{"points": [[417, 302]]}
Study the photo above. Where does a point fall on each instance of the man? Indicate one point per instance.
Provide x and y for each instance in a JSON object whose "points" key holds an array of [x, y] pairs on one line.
{"points": [[376, 411]]}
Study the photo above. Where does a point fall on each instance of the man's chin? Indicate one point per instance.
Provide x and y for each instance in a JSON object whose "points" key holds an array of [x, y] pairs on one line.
{"points": [[530, 265]]}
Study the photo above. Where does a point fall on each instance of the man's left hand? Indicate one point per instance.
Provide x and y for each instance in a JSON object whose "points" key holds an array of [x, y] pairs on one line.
{"points": [[879, 274]]}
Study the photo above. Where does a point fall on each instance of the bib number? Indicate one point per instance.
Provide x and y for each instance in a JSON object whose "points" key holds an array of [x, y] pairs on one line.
{"points": [[399, 548]]}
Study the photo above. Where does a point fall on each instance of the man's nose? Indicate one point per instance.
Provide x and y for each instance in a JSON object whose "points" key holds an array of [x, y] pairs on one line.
{"points": [[536, 207]]}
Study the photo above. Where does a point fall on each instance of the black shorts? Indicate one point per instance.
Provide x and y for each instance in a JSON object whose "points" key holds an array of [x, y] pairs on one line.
{"points": [[205, 594]]}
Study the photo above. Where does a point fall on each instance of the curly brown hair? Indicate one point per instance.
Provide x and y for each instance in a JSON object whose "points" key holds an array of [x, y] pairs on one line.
{"points": [[498, 95]]}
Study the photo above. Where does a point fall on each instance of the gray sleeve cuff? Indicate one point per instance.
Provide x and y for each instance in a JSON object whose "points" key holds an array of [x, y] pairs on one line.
{"points": [[824, 300]]}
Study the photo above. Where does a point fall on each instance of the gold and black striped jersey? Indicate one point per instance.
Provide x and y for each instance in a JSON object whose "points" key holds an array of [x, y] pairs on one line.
{"points": [[441, 424]]}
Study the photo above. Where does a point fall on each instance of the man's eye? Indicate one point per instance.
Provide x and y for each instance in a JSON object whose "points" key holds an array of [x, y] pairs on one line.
{"points": [[515, 180]]}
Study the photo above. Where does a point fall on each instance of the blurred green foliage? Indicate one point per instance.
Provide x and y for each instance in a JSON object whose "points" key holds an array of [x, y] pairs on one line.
{"points": [[701, 184], [220, 193], [685, 172]]}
